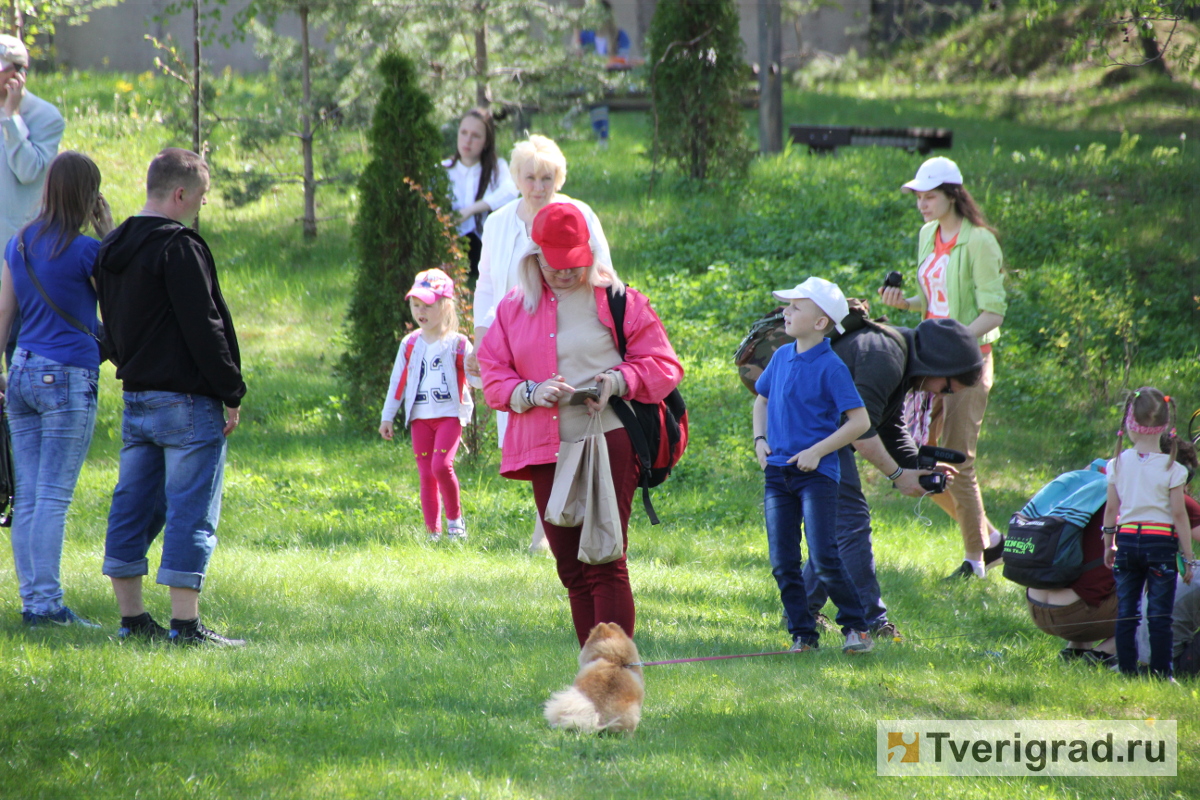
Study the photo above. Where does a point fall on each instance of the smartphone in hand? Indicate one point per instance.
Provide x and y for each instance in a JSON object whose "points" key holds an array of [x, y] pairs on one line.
{"points": [[581, 395]]}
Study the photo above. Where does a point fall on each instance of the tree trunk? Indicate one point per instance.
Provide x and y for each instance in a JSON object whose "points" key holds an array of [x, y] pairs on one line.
{"points": [[196, 143], [481, 55], [770, 87], [1149, 42], [306, 136]]}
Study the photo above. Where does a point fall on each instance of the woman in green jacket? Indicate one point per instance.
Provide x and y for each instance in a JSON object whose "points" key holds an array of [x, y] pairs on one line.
{"points": [[959, 275]]}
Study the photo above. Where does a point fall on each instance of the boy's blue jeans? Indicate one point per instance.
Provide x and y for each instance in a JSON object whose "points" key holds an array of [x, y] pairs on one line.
{"points": [[792, 497], [1145, 560], [854, 545]]}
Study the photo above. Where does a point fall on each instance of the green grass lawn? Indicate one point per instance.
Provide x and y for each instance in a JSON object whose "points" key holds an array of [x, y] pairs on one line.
{"points": [[383, 666]]}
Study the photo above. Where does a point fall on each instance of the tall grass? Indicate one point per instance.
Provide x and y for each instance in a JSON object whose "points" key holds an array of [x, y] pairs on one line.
{"points": [[380, 665]]}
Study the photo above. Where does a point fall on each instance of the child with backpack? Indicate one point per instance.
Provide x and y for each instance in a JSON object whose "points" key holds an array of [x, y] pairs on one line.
{"points": [[801, 395], [429, 380], [1145, 487]]}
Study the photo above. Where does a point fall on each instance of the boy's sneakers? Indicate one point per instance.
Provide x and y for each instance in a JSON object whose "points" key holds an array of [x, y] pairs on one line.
{"points": [[64, 616], [193, 632], [142, 626], [435, 536], [800, 645], [456, 530], [858, 642]]}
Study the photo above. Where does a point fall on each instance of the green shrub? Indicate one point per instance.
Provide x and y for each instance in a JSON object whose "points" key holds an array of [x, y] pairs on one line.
{"points": [[397, 232], [695, 49]]}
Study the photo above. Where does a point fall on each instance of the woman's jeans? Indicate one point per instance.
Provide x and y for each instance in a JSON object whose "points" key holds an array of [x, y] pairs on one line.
{"points": [[792, 497], [1145, 560], [51, 411]]}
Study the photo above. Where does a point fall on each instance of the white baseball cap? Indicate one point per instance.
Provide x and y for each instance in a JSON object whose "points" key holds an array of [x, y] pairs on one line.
{"points": [[933, 173], [12, 51], [825, 294]]}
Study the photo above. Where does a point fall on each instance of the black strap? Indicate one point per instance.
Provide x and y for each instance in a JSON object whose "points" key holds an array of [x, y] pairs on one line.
{"points": [[74, 323], [625, 413]]}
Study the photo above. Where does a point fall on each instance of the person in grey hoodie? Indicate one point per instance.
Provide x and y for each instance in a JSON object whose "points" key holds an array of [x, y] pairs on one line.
{"points": [[178, 360], [31, 129], [939, 355]]}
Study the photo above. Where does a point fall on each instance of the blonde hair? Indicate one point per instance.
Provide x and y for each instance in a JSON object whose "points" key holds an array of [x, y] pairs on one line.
{"points": [[1152, 409], [529, 278], [544, 154]]}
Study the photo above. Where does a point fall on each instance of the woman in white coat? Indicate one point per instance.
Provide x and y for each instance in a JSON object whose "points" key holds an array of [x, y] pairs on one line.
{"points": [[539, 169]]}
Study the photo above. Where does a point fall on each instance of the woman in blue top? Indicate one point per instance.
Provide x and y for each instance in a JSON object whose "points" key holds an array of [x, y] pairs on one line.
{"points": [[52, 384]]}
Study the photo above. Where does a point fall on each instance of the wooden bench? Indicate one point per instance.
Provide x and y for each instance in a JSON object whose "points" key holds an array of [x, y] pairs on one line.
{"points": [[823, 139]]}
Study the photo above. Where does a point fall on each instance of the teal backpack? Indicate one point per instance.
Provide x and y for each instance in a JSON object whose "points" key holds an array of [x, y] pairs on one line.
{"points": [[1044, 549]]}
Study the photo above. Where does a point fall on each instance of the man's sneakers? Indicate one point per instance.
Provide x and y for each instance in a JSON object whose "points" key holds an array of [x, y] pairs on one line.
{"points": [[192, 632], [142, 626], [858, 642], [802, 645], [63, 617]]}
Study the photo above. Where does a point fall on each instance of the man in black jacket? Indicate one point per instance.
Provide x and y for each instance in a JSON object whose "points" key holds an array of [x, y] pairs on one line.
{"points": [[939, 355], [179, 362]]}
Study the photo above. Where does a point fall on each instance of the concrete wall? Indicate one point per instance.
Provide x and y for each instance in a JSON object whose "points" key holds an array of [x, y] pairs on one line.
{"points": [[115, 37]]}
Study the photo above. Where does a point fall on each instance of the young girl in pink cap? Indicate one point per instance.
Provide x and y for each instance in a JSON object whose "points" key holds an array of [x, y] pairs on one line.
{"points": [[429, 380]]}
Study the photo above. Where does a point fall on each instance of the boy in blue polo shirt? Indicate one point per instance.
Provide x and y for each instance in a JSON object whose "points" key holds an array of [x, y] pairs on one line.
{"points": [[802, 395]]}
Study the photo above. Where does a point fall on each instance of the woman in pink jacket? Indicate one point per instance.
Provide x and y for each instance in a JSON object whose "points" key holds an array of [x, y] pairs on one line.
{"points": [[555, 332]]}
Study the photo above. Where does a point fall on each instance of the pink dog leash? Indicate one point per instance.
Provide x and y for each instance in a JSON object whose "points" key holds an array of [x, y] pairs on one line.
{"points": [[708, 658]]}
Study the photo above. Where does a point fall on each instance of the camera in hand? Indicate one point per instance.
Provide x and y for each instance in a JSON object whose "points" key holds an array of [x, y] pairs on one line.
{"points": [[893, 278], [928, 457]]}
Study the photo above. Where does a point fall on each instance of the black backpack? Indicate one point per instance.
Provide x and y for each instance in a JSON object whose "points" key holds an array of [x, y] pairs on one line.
{"points": [[658, 431], [1044, 547], [8, 482]]}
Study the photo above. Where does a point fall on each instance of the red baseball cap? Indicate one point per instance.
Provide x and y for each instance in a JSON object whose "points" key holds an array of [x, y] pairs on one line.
{"points": [[562, 233]]}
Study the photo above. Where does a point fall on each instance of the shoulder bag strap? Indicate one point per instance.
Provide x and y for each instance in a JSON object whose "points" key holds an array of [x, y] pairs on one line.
{"points": [[625, 413], [74, 323]]}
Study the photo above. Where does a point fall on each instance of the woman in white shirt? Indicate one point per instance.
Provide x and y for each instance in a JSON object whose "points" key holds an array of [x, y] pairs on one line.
{"points": [[479, 179], [539, 169]]}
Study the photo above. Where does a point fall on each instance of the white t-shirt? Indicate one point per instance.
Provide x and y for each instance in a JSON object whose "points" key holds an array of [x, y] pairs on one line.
{"points": [[464, 183], [1144, 485], [437, 382]]}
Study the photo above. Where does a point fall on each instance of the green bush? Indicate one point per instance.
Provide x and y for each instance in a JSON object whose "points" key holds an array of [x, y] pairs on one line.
{"points": [[695, 49], [397, 232]]}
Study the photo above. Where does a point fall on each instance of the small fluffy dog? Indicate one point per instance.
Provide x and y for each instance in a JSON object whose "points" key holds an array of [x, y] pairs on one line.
{"points": [[607, 693]]}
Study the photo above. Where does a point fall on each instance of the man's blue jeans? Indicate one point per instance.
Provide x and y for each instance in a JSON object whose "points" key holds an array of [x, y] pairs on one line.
{"points": [[1145, 560], [172, 466], [792, 497], [854, 545], [51, 415]]}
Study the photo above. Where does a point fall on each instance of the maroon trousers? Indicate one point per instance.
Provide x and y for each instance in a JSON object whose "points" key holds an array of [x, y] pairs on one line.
{"points": [[598, 592]]}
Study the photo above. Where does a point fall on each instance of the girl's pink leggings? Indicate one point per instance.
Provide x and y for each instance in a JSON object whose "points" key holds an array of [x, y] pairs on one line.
{"points": [[435, 441]]}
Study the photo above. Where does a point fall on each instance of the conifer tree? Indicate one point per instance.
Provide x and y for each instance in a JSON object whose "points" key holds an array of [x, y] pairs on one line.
{"points": [[399, 230], [695, 52]]}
